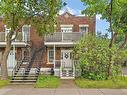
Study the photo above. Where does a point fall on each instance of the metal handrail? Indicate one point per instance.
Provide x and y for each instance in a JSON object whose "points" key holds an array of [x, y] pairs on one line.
{"points": [[17, 66]]}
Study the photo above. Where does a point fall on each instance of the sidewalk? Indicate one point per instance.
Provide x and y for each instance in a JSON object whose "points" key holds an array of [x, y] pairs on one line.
{"points": [[30, 90]]}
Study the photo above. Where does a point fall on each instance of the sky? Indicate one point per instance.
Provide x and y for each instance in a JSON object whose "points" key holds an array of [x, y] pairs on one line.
{"points": [[76, 6]]}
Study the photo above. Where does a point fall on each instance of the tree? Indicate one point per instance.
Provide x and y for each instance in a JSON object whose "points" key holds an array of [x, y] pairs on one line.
{"points": [[94, 54], [16, 13], [111, 10], [114, 11]]}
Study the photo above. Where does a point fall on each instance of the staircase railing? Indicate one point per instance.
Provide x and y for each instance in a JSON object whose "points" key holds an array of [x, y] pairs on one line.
{"points": [[17, 66]]}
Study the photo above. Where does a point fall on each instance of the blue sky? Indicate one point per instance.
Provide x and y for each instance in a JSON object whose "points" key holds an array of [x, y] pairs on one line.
{"points": [[76, 6]]}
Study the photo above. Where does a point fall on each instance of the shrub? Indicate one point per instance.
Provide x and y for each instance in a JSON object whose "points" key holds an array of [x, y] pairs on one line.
{"points": [[97, 59]]}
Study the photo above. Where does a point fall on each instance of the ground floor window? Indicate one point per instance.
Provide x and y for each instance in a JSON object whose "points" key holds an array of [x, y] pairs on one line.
{"points": [[50, 56]]}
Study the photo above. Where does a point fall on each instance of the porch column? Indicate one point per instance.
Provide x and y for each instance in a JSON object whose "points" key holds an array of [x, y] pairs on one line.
{"points": [[54, 54], [14, 59]]}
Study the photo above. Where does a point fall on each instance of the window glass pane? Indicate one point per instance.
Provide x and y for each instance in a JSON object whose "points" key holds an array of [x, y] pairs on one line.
{"points": [[51, 55], [84, 30], [26, 32], [66, 29]]}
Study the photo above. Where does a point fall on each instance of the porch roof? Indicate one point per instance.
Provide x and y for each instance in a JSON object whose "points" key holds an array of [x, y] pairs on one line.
{"points": [[17, 44], [60, 44]]}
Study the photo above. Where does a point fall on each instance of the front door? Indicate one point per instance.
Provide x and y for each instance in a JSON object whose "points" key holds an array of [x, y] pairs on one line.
{"points": [[66, 59], [11, 60]]}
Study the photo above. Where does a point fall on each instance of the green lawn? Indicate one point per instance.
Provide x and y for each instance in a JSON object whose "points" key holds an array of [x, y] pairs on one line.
{"points": [[47, 81], [3, 83], [119, 82]]}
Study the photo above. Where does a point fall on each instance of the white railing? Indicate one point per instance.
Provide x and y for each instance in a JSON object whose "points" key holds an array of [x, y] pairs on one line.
{"points": [[60, 63], [63, 37], [19, 37], [57, 64]]}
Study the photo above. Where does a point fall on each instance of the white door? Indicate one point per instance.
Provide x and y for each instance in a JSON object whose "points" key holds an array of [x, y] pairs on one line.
{"points": [[11, 60], [66, 58]]}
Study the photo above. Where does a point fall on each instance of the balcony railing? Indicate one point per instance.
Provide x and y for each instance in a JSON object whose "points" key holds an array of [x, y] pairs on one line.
{"points": [[19, 37], [63, 37]]}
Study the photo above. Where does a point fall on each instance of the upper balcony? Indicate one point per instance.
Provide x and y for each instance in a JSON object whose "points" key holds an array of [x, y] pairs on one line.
{"points": [[20, 40], [63, 37]]}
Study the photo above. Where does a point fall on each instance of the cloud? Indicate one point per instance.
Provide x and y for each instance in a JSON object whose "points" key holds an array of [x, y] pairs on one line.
{"points": [[70, 10], [98, 17]]}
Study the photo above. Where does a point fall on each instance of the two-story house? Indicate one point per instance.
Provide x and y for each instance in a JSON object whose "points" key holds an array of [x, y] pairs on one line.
{"points": [[60, 44], [52, 52]]}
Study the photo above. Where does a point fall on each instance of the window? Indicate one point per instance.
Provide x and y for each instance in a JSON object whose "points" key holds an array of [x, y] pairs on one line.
{"points": [[26, 32], [83, 29], [66, 28], [50, 56]]}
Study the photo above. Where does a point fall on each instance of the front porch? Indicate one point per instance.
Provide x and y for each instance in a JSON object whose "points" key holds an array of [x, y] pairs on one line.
{"points": [[59, 53], [65, 70], [62, 61]]}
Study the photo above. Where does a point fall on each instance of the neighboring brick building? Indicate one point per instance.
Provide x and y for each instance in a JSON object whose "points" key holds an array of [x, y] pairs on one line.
{"points": [[53, 51]]}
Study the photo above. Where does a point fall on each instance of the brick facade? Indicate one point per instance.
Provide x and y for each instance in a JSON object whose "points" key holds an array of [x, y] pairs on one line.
{"points": [[37, 42]]}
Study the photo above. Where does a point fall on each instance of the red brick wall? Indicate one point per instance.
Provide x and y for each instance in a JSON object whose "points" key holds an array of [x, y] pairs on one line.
{"points": [[76, 21], [38, 42]]}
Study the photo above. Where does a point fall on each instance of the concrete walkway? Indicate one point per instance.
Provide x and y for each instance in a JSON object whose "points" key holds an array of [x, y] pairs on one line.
{"points": [[30, 90], [67, 84]]}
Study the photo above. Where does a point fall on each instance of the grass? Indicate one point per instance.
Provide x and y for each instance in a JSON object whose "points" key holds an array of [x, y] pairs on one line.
{"points": [[119, 82], [47, 81], [3, 83]]}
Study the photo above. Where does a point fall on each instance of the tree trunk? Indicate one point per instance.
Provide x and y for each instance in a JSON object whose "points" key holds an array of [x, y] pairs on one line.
{"points": [[109, 69], [110, 21], [4, 70], [113, 39]]}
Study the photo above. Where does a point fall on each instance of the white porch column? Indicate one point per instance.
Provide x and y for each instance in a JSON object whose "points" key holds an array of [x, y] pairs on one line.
{"points": [[14, 59], [62, 36], [54, 54]]}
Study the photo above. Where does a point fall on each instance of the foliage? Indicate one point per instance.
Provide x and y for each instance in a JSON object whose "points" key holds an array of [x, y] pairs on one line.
{"points": [[43, 13], [103, 7], [47, 81], [94, 57], [3, 83], [118, 82], [16, 13]]}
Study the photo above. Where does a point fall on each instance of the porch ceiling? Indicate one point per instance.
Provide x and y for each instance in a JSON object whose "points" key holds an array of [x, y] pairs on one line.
{"points": [[16, 44], [60, 44]]}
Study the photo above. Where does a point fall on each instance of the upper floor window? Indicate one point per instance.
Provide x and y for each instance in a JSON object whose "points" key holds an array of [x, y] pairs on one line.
{"points": [[83, 29], [66, 28], [26, 32]]}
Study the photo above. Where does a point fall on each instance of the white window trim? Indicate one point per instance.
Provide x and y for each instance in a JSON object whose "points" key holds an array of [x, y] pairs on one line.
{"points": [[83, 25], [66, 25], [48, 56]]}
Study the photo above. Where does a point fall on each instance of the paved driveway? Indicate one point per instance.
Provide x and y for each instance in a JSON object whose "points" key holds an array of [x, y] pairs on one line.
{"points": [[30, 90]]}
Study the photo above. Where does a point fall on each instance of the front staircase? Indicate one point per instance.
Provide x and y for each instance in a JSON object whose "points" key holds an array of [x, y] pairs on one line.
{"points": [[27, 70], [21, 74]]}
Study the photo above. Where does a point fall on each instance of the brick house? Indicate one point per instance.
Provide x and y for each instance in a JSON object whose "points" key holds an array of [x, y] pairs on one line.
{"points": [[29, 51]]}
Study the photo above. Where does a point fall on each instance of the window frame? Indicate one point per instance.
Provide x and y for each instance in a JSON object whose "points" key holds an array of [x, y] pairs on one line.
{"points": [[66, 27], [85, 26], [49, 62], [26, 37]]}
